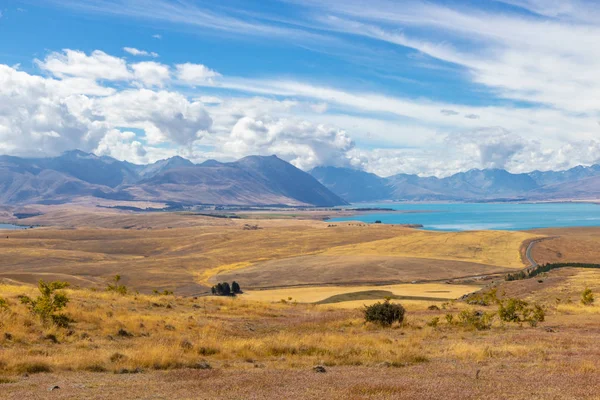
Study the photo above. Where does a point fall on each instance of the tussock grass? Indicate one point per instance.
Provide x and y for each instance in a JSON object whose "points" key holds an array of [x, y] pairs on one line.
{"points": [[222, 331]]}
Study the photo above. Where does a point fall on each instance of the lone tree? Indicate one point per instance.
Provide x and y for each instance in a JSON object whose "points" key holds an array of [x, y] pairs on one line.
{"points": [[384, 313], [235, 287], [48, 303]]}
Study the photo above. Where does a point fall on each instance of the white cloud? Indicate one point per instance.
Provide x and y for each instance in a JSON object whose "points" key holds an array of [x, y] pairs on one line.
{"points": [[157, 36], [164, 116], [73, 63], [122, 146], [141, 53], [302, 143], [196, 74], [151, 73]]}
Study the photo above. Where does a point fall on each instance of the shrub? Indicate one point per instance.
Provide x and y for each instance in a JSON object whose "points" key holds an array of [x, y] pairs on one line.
{"points": [[384, 313], [476, 319], [519, 311], [434, 322], [3, 304], [49, 303], [484, 299], [116, 287], [587, 297]]}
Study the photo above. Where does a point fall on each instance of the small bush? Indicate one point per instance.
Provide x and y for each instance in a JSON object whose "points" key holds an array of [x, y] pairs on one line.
{"points": [[3, 304], [33, 368], [116, 357], [384, 313], [208, 351], [483, 299], [478, 320], [434, 322], [48, 303], [519, 311], [116, 287], [587, 297]]}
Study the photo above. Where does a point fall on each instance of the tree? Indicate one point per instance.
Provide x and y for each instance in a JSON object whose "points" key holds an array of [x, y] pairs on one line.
{"points": [[49, 302], [226, 289], [235, 287], [219, 289]]}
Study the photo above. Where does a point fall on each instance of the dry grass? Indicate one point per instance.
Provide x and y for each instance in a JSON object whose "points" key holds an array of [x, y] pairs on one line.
{"points": [[316, 294], [486, 247], [259, 345], [197, 251], [568, 245]]}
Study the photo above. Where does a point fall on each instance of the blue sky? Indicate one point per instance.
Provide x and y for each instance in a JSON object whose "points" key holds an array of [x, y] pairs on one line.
{"points": [[430, 88]]}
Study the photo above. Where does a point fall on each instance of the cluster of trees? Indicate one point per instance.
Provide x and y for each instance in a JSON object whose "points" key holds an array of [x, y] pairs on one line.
{"points": [[223, 289]]}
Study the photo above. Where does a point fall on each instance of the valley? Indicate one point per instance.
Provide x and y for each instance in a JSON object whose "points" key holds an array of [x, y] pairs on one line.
{"points": [[304, 283]]}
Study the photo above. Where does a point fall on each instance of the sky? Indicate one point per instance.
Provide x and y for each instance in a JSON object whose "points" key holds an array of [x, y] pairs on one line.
{"points": [[418, 87]]}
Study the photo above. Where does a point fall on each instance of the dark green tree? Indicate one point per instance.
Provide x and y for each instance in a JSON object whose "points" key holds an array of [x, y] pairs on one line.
{"points": [[226, 289], [235, 287]]}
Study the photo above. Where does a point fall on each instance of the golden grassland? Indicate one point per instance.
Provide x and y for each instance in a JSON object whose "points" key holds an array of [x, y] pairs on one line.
{"points": [[196, 251], [239, 337], [486, 247], [568, 245], [314, 294]]}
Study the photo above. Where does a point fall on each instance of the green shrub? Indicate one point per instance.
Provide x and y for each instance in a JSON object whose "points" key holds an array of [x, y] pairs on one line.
{"points": [[384, 313], [519, 311], [49, 303], [475, 319], [587, 297], [116, 287], [483, 299], [3, 304]]}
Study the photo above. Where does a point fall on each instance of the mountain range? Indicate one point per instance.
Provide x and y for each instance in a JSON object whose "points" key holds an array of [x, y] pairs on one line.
{"points": [[579, 183], [269, 181], [253, 180]]}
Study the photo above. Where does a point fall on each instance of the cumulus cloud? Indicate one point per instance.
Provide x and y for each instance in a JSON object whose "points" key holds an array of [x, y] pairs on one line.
{"points": [[150, 73], [142, 53], [46, 116], [73, 63], [196, 74], [122, 146], [495, 147], [37, 117], [164, 116], [302, 143]]}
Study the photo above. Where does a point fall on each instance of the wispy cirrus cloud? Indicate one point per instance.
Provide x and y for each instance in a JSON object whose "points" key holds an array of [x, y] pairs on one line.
{"points": [[142, 53]]}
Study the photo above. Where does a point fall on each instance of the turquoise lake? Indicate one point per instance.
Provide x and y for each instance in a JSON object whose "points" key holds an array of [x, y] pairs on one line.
{"points": [[482, 216], [10, 226]]}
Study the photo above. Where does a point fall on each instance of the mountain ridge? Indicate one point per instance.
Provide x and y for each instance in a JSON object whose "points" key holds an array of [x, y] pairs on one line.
{"points": [[473, 185], [251, 181]]}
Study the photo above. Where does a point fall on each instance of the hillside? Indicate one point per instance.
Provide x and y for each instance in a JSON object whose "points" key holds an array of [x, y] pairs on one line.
{"points": [[251, 181]]}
